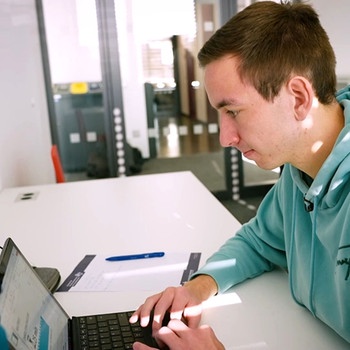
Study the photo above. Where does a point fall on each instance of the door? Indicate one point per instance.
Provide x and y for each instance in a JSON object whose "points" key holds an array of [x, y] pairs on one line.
{"points": [[83, 82]]}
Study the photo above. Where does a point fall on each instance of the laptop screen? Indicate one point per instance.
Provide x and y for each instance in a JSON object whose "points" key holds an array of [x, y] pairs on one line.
{"points": [[31, 316]]}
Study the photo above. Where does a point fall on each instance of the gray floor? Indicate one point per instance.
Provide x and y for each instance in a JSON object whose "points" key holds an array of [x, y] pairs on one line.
{"points": [[243, 210], [207, 167]]}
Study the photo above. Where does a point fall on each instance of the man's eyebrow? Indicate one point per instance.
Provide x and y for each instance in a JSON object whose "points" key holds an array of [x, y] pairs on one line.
{"points": [[226, 102]]}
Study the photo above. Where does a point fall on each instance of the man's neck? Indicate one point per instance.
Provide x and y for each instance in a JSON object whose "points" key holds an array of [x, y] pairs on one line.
{"points": [[319, 141]]}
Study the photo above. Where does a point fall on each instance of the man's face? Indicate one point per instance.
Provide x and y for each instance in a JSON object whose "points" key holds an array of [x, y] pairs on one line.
{"points": [[263, 131]]}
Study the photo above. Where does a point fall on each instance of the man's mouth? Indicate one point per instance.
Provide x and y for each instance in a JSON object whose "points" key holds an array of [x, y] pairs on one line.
{"points": [[248, 153]]}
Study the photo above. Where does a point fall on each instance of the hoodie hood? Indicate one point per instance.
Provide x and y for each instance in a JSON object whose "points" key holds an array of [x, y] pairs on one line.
{"points": [[334, 173]]}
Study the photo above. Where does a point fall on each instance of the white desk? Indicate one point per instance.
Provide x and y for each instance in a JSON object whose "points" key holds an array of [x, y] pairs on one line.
{"points": [[170, 212]]}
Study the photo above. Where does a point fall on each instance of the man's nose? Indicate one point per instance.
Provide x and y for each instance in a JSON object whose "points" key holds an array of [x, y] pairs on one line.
{"points": [[228, 132]]}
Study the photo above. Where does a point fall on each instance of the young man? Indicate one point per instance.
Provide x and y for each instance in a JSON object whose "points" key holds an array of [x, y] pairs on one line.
{"points": [[270, 72]]}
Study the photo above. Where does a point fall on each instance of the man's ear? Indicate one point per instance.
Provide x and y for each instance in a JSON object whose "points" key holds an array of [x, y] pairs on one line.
{"points": [[303, 94]]}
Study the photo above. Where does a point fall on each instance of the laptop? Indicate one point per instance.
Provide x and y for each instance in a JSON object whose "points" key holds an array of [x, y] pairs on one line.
{"points": [[34, 319]]}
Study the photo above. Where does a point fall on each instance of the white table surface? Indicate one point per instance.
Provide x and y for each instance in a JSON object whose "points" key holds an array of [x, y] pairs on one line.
{"points": [[164, 212]]}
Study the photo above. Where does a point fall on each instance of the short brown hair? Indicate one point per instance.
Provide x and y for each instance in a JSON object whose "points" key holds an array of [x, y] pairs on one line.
{"points": [[273, 42]]}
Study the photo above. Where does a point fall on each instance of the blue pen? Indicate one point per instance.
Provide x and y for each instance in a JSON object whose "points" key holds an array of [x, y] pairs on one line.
{"points": [[135, 256]]}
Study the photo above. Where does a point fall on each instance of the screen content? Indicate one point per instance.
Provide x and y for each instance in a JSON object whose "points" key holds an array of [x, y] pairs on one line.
{"points": [[31, 316]]}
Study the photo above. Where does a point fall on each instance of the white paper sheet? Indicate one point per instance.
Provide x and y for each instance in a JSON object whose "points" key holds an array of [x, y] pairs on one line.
{"points": [[142, 274]]}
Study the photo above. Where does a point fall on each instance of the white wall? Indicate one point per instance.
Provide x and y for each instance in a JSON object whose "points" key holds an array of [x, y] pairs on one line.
{"points": [[334, 16], [24, 133]]}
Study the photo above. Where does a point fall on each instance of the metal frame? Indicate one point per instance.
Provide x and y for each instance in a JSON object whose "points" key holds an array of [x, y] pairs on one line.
{"points": [[114, 121], [46, 71]]}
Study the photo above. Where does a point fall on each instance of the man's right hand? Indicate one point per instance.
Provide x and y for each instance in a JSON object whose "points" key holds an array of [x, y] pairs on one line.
{"points": [[184, 302]]}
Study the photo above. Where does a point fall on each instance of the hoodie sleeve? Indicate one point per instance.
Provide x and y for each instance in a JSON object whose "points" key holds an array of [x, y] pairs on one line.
{"points": [[3, 339], [257, 247]]}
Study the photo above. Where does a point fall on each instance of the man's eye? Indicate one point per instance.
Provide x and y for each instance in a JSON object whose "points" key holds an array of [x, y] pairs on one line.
{"points": [[232, 113]]}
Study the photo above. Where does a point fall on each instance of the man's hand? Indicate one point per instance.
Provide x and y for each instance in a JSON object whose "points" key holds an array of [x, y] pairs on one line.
{"points": [[182, 302], [178, 336]]}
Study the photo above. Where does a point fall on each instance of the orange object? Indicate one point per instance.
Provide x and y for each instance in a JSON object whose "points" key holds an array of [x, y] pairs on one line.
{"points": [[57, 164]]}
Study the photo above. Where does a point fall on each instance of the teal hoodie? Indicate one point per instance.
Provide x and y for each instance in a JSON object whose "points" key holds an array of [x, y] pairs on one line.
{"points": [[304, 229], [3, 339]]}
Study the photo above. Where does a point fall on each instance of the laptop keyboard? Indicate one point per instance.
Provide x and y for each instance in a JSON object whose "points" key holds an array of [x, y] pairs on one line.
{"points": [[109, 332]]}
